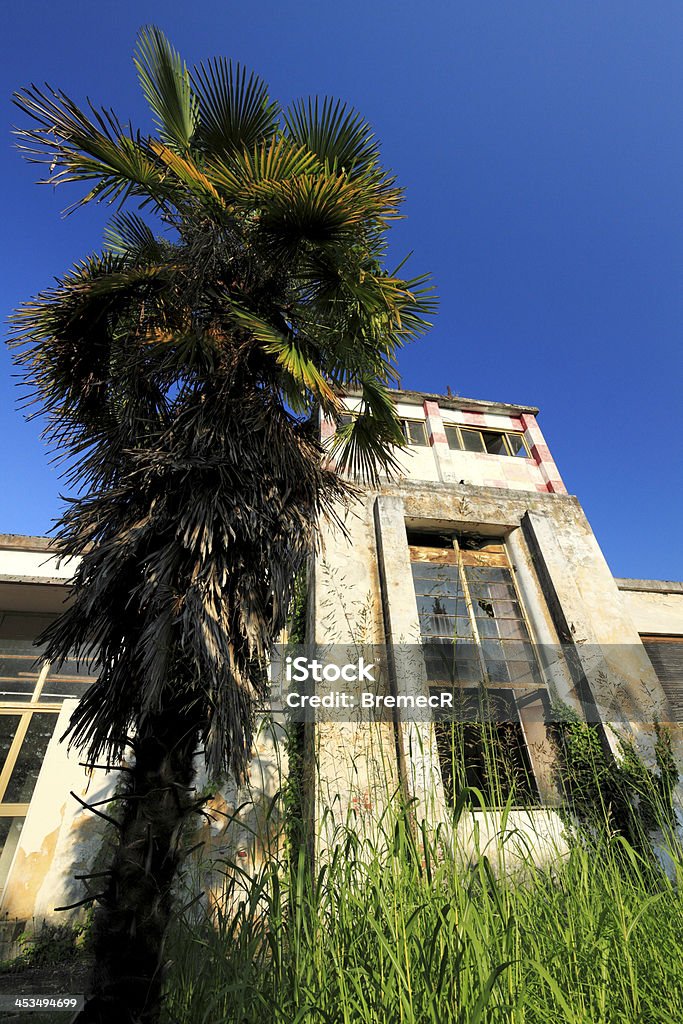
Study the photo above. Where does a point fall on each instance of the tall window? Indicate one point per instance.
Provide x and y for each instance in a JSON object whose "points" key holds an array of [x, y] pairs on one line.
{"points": [[31, 698], [478, 645]]}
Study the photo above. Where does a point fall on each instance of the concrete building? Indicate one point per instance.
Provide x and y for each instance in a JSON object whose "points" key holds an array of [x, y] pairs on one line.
{"points": [[475, 540]]}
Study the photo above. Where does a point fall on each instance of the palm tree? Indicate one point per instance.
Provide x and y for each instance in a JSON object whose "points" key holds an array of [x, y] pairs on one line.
{"points": [[182, 371]]}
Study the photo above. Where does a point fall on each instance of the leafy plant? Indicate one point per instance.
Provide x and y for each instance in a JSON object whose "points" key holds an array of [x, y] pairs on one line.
{"points": [[622, 792]]}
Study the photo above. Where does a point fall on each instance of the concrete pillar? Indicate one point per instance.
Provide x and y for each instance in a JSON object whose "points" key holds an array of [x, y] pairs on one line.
{"points": [[437, 439], [541, 454], [605, 651], [416, 738]]}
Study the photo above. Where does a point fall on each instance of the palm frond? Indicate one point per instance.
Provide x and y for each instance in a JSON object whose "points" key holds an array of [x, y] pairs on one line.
{"points": [[319, 208], [187, 172], [274, 160], [129, 236], [290, 354], [366, 447], [166, 85], [235, 111], [336, 133], [77, 148]]}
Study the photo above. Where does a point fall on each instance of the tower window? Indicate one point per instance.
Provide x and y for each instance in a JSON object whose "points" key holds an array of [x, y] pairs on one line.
{"points": [[415, 432], [491, 442]]}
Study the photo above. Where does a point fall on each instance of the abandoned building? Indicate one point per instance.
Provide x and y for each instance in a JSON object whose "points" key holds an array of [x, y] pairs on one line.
{"points": [[474, 540]]}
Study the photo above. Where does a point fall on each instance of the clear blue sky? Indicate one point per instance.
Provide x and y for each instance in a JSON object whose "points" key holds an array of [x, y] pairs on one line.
{"points": [[541, 147]]}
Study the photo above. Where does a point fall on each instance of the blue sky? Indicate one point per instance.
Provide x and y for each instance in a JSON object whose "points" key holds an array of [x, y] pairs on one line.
{"points": [[541, 149]]}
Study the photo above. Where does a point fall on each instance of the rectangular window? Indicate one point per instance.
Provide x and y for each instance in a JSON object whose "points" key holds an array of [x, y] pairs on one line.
{"points": [[31, 698], [477, 645], [485, 750], [492, 442], [415, 432]]}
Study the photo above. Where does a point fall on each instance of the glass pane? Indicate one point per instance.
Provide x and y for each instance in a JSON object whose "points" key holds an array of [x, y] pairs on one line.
{"points": [[445, 625], [72, 680], [19, 669], [435, 571], [494, 592], [495, 443], [8, 727], [10, 831], [472, 441], [23, 779], [453, 438], [487, 628], [512, 629], [517, 446], [486, 574], [453, 663], [428, 605], [415, 432]]}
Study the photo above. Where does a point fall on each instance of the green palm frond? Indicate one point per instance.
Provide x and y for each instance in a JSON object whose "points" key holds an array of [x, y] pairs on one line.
{"points": [[166, 85], [188, 173], [77, 148], [129, 236], [289, 353], [366, 447], [336, 133], [235, 112], [275, 160], [318, 208]]}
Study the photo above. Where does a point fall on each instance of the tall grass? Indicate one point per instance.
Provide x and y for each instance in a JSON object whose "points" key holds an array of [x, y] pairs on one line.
{"points": [[406, 927]]}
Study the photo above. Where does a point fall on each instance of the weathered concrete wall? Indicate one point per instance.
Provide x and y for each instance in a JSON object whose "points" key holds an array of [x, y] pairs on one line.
{"points": [[655, 611], [243, 826], [59, 838], [355, 771], [569, 595]]}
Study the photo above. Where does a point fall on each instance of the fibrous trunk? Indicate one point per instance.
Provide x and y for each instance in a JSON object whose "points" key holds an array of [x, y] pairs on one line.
{"points": [[132, 921]]}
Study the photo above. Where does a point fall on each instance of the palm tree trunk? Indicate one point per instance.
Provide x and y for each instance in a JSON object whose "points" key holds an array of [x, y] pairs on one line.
{"points": [[131, 924]]}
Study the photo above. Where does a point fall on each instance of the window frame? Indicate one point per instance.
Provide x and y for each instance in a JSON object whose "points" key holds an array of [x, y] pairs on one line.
{"points": [[458, 428], [487, 684], [405, 420]]}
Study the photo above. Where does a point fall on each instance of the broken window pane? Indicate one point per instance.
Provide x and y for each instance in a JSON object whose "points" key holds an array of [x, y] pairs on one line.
{"points": [[494, 443], [8, 727], [517, 445]]}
